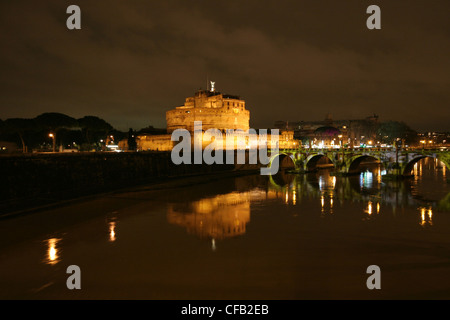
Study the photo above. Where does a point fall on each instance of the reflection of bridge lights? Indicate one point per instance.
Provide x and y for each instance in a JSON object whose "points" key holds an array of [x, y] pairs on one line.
{"points": [[331, 203], [294, 198], [287, 198], [328, 182], [378, 207], [213, 244], [366, 179], [322, 203], [369, 208], [426, 216]]}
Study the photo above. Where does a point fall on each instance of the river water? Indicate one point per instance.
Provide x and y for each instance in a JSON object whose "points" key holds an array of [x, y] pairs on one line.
{"points": [[309, 236]]}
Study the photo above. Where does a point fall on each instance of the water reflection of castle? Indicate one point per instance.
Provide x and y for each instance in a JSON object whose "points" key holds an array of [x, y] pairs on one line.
{"points": [[218, 217]]}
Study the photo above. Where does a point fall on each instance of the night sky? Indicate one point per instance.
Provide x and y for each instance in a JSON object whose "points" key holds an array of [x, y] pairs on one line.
{"points": [[290, 60]]}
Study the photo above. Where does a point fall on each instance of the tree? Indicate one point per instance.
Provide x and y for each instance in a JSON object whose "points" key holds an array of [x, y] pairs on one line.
{"points": [[391, 131], [54, 122], [94, 128], [132, 145], [21, 127]]}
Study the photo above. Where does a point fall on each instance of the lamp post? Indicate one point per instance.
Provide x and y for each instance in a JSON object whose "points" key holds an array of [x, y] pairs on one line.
{"points": [[52, 135], [341, 145]]}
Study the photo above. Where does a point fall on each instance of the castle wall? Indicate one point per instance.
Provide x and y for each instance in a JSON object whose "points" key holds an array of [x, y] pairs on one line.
{"points": [[214, 110], [219, 118], [161, 142]]}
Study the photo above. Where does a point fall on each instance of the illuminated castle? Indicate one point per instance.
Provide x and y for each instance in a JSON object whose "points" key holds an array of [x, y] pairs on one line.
{"points": [[214, 109]]}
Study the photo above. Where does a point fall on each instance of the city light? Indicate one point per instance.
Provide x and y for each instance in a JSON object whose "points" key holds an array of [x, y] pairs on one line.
{"points": [[52, 135]]}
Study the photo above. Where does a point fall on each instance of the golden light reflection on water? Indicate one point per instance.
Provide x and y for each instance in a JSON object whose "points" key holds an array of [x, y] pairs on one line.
{"points": [[52, 251], [112, 231], [372, 208], [218, 217], [369, 208], [426, 216], [227, 215]]}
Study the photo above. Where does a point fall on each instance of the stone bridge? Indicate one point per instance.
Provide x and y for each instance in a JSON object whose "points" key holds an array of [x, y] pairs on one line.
{"points": [[396, 161]]}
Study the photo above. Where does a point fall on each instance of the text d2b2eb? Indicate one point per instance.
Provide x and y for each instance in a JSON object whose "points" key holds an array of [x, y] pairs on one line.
{"points": [[74, 20]]}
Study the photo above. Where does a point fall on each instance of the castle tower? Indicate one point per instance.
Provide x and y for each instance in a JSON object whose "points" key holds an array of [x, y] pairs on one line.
{"points": [[214, 109]]}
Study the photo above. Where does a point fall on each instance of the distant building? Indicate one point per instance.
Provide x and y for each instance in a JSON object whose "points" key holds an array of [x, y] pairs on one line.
{"points": [[329, 132], [434, 139]]}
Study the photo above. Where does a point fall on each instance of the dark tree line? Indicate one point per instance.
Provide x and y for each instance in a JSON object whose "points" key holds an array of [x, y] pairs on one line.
{"points": [[392, 131], [87, 133]]}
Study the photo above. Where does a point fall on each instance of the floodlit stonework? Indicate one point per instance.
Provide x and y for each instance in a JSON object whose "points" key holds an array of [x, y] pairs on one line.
{"points": [[214, 109]]}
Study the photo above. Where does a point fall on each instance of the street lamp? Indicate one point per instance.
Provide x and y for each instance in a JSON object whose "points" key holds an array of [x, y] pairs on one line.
{"points": [[51, 135]]}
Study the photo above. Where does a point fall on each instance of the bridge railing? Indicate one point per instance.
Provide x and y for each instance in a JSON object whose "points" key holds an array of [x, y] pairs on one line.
{"points": [[364, 149]]}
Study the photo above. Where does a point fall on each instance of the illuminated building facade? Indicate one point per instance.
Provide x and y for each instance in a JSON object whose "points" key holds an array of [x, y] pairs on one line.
{"points": [[329, 132], [215, 110]]}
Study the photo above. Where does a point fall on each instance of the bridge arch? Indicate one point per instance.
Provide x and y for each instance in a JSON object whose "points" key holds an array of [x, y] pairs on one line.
{"points": [[312, 160], [410, 165], [286, 160], [280, 181], [445, 158], [355, 161]]}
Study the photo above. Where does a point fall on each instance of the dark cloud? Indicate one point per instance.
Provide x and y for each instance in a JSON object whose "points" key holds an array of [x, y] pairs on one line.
{"points": [[296, 60]]}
